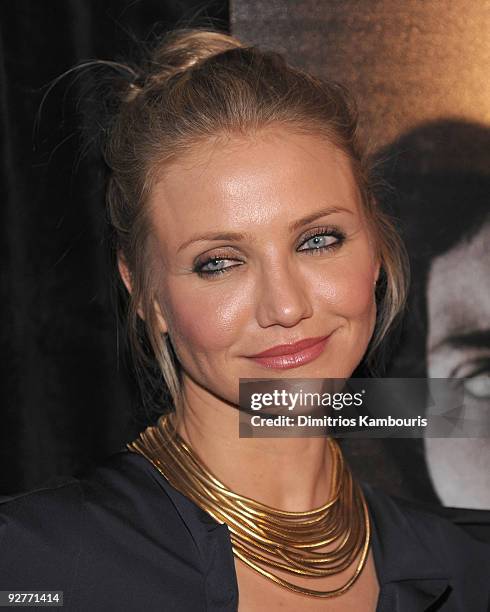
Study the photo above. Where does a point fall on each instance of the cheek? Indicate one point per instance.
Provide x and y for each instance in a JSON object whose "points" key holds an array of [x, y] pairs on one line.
{"points": [[348, 291], [205, 319], [358, 296]]}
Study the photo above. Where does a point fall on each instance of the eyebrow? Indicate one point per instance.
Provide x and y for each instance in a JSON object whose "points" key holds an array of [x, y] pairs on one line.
{"points": [[479, 338], [240, 236]]}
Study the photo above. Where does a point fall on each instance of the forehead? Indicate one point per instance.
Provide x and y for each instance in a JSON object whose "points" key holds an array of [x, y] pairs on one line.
{"points": [[271, 176], [458, 291]]}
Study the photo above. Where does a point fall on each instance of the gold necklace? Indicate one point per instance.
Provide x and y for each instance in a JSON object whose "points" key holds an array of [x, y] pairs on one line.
{"points": [[262, 535]]}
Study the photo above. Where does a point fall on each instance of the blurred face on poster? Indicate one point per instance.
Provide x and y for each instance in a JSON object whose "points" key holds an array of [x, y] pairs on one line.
{"points": [[458, 345]]}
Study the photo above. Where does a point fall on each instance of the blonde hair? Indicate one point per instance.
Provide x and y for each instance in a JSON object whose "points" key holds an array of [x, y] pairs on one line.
{"points": [[201, 83]]}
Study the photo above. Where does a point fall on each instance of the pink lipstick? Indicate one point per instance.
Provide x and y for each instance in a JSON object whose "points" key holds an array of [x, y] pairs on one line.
{"points": [[286, 356]]}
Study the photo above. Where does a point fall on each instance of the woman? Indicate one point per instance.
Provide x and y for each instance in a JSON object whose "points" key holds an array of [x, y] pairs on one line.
{"points": [[250, 246]]}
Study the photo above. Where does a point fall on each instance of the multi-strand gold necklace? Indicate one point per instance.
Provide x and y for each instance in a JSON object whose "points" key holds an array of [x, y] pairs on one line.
{"points": [[265, 537]]}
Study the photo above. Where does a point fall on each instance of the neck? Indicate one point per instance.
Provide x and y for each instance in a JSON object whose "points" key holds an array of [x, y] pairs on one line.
{"points": [[292, 474]]}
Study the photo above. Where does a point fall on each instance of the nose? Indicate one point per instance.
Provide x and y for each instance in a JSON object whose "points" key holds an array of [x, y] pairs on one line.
{"points": [[282, 296]]}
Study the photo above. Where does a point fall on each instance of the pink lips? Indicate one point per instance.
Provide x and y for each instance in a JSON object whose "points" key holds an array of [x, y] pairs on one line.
{"points": [[292, 355]]}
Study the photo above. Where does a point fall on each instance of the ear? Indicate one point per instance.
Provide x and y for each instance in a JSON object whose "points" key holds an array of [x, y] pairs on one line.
{"points": [[126, 277], [124, 272]]}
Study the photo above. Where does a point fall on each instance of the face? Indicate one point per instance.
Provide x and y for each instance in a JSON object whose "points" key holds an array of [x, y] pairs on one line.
{"points": [[260, 242], [458, 298], [458, 345]]}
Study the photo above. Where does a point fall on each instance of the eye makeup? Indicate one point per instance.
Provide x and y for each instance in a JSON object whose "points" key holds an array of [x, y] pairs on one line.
{"points": [[212, 266]]}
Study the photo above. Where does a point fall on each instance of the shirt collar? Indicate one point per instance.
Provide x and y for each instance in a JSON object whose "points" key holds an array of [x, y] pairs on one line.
{"points": [[213, 543], [411, 575]]}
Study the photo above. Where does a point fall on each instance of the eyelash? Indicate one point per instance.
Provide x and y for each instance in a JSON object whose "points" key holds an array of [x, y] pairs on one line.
{"points": [[317, 233]]}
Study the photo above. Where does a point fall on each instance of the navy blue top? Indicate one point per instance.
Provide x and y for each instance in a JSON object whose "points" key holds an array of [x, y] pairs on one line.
{"points": [[122, 538]]}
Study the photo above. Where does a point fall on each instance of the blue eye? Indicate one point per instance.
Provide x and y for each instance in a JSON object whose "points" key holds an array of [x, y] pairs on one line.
{"points": [[213, 266], [322, 240]]}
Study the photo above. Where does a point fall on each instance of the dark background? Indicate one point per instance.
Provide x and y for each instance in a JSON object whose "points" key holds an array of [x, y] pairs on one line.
{"points": [[67, 394], [419, 72]]}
